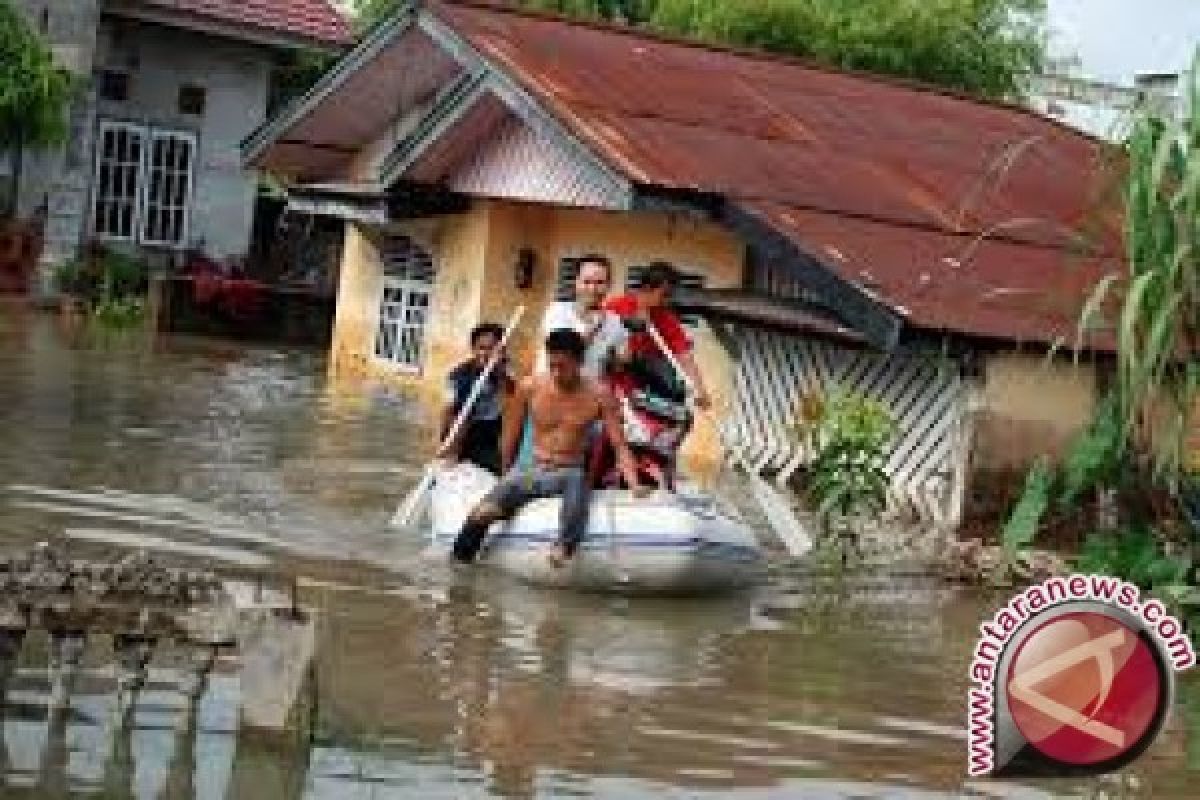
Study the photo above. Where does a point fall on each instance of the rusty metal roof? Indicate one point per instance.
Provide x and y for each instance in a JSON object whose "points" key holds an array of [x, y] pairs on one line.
{"points": [[899, 179], [315, 20]]}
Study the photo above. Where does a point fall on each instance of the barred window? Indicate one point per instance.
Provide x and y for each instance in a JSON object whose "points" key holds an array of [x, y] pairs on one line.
{"points": [[143, 184], [404, 308], [168, 189], [568, 271], [118, 180]]}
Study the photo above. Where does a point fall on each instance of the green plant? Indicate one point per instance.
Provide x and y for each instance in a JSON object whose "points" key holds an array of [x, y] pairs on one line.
{"points": [[67, 277], [1136, 556], [34, 92], [1026, 517], [119, 313], [1158, 298], [849, 435], [1137, 440]]}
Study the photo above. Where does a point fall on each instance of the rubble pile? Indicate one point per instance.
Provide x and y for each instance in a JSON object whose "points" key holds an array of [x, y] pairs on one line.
{"points": [[45, 570]]}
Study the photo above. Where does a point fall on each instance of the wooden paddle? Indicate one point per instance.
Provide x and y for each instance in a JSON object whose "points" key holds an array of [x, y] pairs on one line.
{"points": [[406, 513], [776, 508]]}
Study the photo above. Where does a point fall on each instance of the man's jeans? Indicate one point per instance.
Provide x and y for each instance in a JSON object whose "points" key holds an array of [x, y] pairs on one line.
{"points": [[519, 487]]}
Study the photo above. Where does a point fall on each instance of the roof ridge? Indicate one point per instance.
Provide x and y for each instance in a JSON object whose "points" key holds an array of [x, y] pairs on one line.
{"points": [[509, 7]]}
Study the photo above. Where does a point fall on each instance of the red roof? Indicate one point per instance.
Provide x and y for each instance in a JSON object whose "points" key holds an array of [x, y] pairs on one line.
{"points": [[897, 178], [315, 20]]}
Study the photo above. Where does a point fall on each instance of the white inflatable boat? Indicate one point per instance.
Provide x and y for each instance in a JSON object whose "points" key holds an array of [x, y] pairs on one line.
{"points": [[668, 543]]}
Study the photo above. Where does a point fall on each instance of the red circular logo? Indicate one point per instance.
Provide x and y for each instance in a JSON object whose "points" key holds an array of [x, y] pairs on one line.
{"points": [[1083, 689]]}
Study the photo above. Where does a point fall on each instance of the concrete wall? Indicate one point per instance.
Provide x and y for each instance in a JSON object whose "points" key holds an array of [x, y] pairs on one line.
{"points": [[1029, 407], [474, 255], [236, 77], [58, 179], [160, 60]]}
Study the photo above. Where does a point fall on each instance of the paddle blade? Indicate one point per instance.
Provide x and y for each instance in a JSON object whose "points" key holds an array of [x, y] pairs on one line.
{"points": [[781, 517], [410, 509]]}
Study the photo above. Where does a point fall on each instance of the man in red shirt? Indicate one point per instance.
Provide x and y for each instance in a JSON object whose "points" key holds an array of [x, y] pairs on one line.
{"points": [[652, 397]]}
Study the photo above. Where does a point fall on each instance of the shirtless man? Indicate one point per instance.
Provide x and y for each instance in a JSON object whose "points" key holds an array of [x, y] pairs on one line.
{"points": [[562, 405]]}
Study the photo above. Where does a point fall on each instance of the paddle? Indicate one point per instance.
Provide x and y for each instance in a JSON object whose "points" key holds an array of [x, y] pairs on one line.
{"points": [[776, 508], [407, 511]]}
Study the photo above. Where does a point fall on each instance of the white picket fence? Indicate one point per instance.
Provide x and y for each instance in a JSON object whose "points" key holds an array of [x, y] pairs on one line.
{"points": [[925, 396]]}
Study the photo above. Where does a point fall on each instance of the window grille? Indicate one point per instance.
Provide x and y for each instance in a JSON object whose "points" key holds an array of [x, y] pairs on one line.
{"points": [[143, 184], [404, 308]]}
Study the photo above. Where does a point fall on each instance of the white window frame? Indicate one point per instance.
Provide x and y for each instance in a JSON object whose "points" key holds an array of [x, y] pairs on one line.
{"points": [[156, 135], [410, 280], [116, 126], [148, 135]]}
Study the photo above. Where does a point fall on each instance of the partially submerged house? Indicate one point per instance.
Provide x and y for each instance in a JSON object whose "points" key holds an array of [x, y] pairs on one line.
{"points": [[169, 88], [839, 230]]}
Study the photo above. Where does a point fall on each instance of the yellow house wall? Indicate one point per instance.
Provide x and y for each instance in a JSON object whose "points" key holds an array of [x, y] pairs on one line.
{"points": [[474, 254], [1030, 407]]}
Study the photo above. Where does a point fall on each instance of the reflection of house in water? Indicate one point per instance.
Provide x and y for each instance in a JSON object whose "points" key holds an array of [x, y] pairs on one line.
{"points": [[834, 229], [92, 715], [489, 681]]}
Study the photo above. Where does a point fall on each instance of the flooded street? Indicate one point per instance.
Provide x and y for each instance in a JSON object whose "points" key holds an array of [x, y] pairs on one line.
{"points": [[432, 683]]}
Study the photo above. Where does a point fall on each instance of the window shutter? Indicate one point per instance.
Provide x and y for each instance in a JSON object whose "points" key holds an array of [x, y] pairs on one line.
{"points": [[564, 286]]}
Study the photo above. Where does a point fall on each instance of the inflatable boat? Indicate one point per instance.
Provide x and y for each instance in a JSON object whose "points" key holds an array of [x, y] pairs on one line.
{"points": [[668, 543]]}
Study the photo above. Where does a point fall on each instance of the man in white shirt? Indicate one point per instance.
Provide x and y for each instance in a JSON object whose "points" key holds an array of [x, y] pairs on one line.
{"points": [[602, 330]]}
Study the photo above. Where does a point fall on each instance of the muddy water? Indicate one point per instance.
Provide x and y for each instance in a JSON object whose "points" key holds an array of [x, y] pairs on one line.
{"points": [[433, 683]]}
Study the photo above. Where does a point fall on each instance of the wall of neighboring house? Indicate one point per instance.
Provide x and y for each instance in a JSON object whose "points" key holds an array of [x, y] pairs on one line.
{"points": [[473, 256], [1028, 406], [230, 80], [234, 79]]}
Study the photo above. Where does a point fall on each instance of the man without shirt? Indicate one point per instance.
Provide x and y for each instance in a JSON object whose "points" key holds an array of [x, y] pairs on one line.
{"points": [[562, 405]]}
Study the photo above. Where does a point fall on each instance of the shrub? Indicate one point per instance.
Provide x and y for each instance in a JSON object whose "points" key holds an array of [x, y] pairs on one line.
{"points": [[849, 435]]}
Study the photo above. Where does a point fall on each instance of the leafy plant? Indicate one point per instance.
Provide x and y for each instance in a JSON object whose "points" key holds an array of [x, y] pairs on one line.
{"points": [[1026, 517], [34, 92], [119, 312], [1134, 555], [849, 435], [1094, 457], [1158, 299], [112, 284]]}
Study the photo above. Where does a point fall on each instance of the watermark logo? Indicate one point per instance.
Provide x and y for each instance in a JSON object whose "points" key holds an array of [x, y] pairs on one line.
{"points": [[1072, 676]]}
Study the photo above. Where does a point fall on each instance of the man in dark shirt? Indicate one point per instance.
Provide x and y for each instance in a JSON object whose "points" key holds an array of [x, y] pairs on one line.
{"points": [[479, 439]]}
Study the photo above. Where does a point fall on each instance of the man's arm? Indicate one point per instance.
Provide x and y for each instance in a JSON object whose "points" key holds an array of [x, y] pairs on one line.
{"points": [[692, 370], [514, 424], [611, 417], [677, 339]]}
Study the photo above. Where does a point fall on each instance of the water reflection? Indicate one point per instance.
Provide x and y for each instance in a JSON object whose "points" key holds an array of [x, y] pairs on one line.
{"points": [[433, 682]]}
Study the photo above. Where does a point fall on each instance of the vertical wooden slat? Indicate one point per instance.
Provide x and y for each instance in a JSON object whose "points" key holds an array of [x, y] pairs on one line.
{"points": [[927, 401]]}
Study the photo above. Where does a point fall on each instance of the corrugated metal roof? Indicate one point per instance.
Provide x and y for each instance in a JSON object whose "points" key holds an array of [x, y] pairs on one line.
{"points": [[939, 281], [317, 20], [897, 178]]}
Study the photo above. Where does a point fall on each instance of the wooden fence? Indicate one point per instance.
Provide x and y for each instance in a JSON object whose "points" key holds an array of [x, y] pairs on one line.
{"points": [[926, 397]]}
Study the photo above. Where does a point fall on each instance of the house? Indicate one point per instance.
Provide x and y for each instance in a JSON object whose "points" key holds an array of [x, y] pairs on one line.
{"points": [[169, 90], [839, 229], [1104, 109]]}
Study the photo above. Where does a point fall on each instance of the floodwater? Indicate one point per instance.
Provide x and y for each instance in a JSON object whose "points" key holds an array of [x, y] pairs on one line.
{"points": [[432, 683]]}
